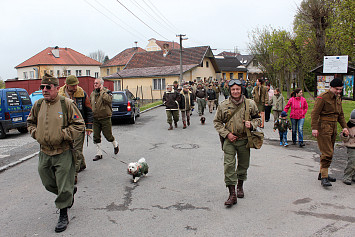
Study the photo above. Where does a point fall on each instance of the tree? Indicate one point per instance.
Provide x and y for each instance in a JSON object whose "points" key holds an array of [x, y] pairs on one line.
{"points": [[106, 59], [97, 55], [2, 83]]}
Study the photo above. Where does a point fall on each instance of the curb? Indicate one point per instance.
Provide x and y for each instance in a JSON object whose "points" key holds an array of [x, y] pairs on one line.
{"points": [[141, 112], [5, 167]]}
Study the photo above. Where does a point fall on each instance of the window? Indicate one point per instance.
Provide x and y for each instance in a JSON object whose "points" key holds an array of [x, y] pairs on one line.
{"points": [[117, 85], [58, 73], [25, 75], [240, 75], [45, 71], [159, 84], [118, 69], [96, 75], [107, 71], [118, 97], [255, 63], [24, 98], [231, 75], [224, 75], [202, 64], [68, 73], [51, 72], [32, 74], [206, 63], [12, 98], [78, 73], [87, 72]]}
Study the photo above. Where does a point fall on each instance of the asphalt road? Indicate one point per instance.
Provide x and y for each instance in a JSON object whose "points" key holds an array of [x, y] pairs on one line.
{"points": [[184, 192]]}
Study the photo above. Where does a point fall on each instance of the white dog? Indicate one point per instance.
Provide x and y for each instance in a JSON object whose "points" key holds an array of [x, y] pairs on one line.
{"points": [[137, 169]]}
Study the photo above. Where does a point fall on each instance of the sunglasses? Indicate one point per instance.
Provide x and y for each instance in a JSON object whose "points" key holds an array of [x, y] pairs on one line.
{"points": [[48, 87], [234, 82]]}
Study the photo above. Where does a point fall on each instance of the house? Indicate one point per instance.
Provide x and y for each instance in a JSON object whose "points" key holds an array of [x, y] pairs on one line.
{"points": [[231, 68], [148, 73], [156, 45], [59, 62], [252, 65], [228, 54], [118, 62]]}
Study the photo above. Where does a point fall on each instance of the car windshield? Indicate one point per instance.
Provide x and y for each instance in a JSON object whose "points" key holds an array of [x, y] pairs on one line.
{"points": [[118, 97]]}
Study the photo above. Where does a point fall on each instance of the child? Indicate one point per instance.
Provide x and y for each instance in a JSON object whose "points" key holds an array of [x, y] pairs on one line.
{"points": [[349, 142], [282, 124]]}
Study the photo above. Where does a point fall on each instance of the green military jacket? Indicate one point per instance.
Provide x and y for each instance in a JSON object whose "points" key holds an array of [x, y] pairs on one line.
{"points": [[327, 107], [260, 94], [45, 124], [101, 104], [235, 125]]}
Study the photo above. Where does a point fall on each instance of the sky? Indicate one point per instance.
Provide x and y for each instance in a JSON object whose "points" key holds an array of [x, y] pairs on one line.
{"points": [[28, 27]]}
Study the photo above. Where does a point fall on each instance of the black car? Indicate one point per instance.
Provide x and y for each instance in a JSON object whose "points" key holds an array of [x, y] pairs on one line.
{"points": [[124, 106]]}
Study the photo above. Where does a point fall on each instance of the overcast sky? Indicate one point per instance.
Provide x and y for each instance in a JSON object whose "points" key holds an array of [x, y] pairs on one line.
{"points": [[28, 27]]}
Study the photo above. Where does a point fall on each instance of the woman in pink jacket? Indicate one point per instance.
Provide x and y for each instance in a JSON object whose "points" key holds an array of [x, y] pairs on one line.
{"points": [[299, 106]]}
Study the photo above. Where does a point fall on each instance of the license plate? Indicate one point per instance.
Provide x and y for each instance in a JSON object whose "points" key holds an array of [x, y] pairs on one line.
{"points": [[17, 119], [114, 109]]}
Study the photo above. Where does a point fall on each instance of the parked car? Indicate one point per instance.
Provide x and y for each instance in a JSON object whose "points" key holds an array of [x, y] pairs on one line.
{"points": [[15, 106], [36, 96], [125, 106]]}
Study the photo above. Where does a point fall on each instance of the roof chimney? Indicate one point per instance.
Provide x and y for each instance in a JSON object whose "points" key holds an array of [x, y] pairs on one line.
{"points": [[55, 52], [165, 49]]}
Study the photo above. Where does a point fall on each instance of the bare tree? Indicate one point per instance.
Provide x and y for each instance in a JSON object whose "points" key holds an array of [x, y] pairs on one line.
{"points": [[98, 55]]}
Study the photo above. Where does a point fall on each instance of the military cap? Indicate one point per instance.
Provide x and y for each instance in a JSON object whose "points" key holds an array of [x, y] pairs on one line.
{"points": [[72, 80], [336, 82], [49, 79], [175, 82]]}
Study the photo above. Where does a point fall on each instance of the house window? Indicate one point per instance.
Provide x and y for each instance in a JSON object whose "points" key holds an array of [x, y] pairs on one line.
{"points": [[25, 75], [118, 69], [159, 84], [107, 71], [202, 64], [224, 75], [45, 71], [240, 76], [96, 75], [206, 63], [230, 75], [32, 74], [117, 85], [255, 63], [87, 72], [78, 73], [68, 72], [58, 73]]}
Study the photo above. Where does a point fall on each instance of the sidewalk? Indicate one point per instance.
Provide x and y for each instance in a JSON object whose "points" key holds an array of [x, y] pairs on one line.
{"points": [[271, 135]]}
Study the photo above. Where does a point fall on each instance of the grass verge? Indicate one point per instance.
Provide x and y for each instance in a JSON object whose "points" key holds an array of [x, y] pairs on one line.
{"points": [[150, 105]]}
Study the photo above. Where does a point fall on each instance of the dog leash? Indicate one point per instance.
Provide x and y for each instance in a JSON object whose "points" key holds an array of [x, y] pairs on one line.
{"points": [[110, 155]]}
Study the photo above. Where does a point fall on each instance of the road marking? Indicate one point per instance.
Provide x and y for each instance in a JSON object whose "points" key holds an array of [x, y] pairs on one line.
{"points": [[5, 167]]}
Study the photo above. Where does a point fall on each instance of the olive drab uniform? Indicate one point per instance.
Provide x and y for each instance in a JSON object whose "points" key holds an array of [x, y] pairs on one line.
{"points": [[55, 130], [236, 126], [261, 97], [201, 96], [327, 111]]}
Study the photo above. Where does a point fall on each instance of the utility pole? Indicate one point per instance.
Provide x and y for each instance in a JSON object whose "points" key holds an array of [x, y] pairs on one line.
{"points": [[181, 39]]}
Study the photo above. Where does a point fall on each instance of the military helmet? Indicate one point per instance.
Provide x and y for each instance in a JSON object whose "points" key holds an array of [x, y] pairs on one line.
{"points": [[72, 80]]}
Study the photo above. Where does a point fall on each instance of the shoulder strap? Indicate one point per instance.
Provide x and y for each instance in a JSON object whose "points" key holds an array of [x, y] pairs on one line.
{"points": [[246, 118], [65, 111]]}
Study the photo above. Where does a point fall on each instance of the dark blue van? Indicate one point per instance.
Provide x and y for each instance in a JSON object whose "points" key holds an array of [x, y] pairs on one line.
{"points": [[15, 106]]}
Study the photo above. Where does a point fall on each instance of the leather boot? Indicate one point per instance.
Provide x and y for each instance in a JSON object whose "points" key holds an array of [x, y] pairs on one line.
{"points": [[171, 127], [330, 178], [188, 122], [325, 182], [232, 199], [63, 220], [240, 191], [184, 122], [175, 124]]}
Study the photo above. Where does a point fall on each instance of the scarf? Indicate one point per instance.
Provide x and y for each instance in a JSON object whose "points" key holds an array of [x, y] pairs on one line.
{"points": [[237, 102]]}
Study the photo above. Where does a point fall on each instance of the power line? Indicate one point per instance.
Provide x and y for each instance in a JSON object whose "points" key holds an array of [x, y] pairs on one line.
{"points": [[162, 15], [140, 19], [114, 21]]}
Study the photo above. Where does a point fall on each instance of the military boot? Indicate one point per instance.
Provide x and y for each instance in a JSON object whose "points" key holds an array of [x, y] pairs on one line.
{"points": [[325, 182], [63, 220], [171, 127], [188, 122], [175, 123], [184, 122], [232, 199], [240, 191], [330, 178]]}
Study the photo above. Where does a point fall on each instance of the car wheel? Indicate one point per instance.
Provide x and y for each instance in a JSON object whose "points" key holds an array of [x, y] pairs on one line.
{"points": [[2, 132], [133, 119], [22, 130]]}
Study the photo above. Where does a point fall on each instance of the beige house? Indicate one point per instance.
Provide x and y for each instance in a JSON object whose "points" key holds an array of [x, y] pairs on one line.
{"points": [[156, 45], [148, 73], [59, 62]]}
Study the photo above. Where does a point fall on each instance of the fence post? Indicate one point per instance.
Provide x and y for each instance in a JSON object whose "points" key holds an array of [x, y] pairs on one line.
{"points": [[142, 93], [151, 92]]}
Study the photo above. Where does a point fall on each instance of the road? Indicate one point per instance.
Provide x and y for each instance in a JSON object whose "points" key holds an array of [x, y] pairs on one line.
{"points": [[184, 192]]}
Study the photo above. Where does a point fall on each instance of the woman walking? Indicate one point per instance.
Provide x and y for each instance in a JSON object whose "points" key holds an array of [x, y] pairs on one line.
{"points": [[299, 107]]}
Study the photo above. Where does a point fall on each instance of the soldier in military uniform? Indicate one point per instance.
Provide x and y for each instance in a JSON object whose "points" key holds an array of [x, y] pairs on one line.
{"points": [[73, 91], [327, 111], [171, 99], [201, 97], [261, 97], [230, 123], [101, 104], [55, 123]]}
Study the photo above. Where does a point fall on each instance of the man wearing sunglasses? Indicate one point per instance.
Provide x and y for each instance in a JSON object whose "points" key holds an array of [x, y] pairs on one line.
{"points": [[55, 123], [231, 124]]}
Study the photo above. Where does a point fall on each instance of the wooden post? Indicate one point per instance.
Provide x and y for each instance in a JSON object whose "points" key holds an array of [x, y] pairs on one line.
{"points": [[151, 92], [142, 93]]}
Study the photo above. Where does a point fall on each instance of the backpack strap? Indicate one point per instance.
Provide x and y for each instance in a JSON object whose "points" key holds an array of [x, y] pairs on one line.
{"points": [[246, 118]]}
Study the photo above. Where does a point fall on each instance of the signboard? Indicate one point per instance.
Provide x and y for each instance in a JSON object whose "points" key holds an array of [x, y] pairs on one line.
{"points": [[348, 86], [323, 83], [335, 64]]}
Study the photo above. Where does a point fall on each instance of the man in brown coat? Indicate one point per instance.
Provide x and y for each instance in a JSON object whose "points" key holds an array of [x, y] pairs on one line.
{"points": [[261, 98], [327, 111], [55, 122]]}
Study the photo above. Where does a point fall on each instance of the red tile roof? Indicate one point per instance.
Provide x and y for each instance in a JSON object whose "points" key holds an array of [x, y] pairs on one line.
{"points": [[123, 57], [172, 45], [190, 56], [67, 56], [151, 71]]}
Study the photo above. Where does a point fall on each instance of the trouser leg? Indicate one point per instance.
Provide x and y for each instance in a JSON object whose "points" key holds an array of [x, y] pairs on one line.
{"points": [[97, 130], [184, 115], [210, 105], [107, 129], [230, 176], [294, 130], [46, 172], [188, 115], [300, 130], [200, 106], [349, 171], [281, 136], [175, 115], [326, 141], [243, 155], [169, 115], [284, 134]]}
